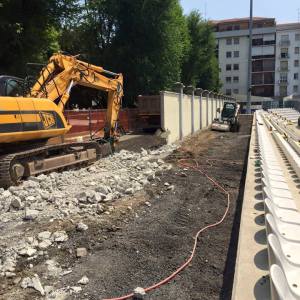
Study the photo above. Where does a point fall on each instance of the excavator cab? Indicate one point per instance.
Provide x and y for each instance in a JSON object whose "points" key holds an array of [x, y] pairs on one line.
{"points": [[11, 86]]}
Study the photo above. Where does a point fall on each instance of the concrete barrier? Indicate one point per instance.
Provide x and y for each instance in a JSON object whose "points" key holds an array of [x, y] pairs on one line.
{"points": [[185, 114]]}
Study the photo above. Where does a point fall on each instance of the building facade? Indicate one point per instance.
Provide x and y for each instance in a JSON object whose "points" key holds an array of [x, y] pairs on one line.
{"points": [[232, 37], [287, 79]]}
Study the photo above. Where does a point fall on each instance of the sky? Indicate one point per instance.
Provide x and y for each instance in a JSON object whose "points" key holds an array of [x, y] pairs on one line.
{"points": [[282, 10]]}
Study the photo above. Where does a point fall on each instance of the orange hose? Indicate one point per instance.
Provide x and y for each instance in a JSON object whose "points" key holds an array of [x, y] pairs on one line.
{"points": [[186, 263]]}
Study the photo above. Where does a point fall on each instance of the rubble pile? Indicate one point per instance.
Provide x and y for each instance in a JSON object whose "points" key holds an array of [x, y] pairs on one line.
{"points": [[29, 248], [87, 190]]}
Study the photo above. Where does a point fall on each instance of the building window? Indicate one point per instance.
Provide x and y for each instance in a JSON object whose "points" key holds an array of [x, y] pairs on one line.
{"points": [[236, 53], [296, 76], [229, 41], [228, 67], [297, 36], [295, 88], [228, 79], [269, 78], [236, 79], [284, 65], [257, 42], [284, 37], [228, 91], [297, 50], [229, 28], [283, 77], [236, 27], [236, 41], [236, 91], [283, 91], [236, 67], [228, 54], [296, 63], [284, 52]]}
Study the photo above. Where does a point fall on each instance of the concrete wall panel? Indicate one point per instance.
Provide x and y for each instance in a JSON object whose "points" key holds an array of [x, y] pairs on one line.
{"points": [[187, 115], [204, 112], [170, 114], [196, 113]]}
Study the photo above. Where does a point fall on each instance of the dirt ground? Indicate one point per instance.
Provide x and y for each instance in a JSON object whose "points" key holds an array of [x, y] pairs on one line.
{"points": [[139, 244]]}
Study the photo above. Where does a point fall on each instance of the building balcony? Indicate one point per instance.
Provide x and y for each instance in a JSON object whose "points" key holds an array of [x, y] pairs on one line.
{"points": [[283, 69], [284, 56], [283, 82], [284, 43]]}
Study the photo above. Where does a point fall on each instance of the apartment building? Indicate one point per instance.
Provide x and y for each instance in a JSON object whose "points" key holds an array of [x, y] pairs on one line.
{"points": [[232, 37], [287, 78]]}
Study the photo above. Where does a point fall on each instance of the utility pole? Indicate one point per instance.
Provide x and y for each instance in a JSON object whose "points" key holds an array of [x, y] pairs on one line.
{"points": [[250, 59]]}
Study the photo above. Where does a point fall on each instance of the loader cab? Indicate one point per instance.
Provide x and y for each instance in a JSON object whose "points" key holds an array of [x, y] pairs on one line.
{"points": [[11, 86], [229, 110]]}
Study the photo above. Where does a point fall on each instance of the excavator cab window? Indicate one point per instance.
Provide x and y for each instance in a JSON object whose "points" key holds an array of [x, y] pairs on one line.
{"points": [[11, 86]]}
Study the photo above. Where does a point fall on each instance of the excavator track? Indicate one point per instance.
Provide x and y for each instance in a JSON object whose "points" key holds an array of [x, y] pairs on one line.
{"points": [[17, 166]]}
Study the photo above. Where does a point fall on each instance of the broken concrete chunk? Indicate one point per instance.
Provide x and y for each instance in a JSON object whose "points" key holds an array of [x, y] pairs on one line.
{"points": [[26, 282], [44, 235], [84, 280], [16, 203], [30, 214], [170, 187], [30, 198], [76, 289], [36, 284], [44, 244], [81, 252], [129, 191], [60, 236], [33, 282], [82, 227], [10, 274], [27, 251]]}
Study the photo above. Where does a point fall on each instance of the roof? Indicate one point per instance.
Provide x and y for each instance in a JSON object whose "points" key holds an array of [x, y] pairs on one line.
{"points": [[236, 20], [288, 26]]}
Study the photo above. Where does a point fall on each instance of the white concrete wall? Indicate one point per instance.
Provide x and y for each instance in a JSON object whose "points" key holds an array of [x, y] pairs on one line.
{"points": [[203, 110], [170, 114], [196, 113]]}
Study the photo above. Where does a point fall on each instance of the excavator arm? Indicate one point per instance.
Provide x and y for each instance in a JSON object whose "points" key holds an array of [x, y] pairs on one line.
{"points": [[63, 72]]}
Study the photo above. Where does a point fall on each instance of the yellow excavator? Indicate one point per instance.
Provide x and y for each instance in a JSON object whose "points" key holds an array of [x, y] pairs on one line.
{"points": [[33, 127]]}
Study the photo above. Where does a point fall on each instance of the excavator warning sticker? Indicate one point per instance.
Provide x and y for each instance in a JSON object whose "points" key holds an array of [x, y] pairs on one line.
{"points": [[48, 119]]}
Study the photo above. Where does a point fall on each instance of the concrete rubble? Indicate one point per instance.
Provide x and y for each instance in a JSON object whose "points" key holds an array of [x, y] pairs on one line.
{"points": [[89, 191], [85, 191]]}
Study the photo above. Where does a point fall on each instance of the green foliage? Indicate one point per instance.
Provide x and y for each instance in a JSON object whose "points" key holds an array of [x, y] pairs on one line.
{"points": [[150, 41], [201, 65], [145, 40], [27, 33]]}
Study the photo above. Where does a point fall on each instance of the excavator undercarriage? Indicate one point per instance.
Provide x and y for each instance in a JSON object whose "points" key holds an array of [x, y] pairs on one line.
{"points": [[15, 167]]}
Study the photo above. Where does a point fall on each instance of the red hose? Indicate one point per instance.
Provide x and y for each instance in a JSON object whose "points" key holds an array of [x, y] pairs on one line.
{"points": [[185, 264]]}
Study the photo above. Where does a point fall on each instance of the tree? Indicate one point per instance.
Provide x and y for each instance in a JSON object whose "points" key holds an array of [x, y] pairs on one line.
{"points": [[29, 31], [145, 40], [200, 67], [150, 43]]}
